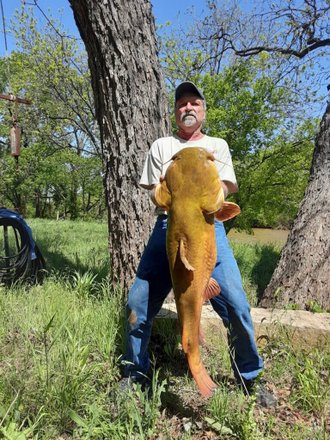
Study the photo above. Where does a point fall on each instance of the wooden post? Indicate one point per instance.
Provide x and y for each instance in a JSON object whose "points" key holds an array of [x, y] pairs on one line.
{"points": [[15, 132], [15, 140]]}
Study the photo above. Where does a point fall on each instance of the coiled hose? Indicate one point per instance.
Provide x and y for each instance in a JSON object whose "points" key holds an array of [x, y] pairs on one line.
{"points": [[22, 259]]}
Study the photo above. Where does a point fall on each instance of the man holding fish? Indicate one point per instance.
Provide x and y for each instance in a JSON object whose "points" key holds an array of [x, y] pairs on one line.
{"points": [[189, 175]]}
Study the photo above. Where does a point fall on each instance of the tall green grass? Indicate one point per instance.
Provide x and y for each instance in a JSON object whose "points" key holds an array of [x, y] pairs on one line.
{"points": [[54, 345], [73, 246], [257, 263], [60, 348]]}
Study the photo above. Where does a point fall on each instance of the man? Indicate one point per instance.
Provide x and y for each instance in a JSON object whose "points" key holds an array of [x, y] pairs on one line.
{"points": [[153, 281]]}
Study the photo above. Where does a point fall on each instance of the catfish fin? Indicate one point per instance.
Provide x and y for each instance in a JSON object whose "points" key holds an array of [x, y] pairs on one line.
{"points": [[227, 211], [201, 336], [204, 382], [162, 195], [212, 289], [214, 199], [183, 257]]}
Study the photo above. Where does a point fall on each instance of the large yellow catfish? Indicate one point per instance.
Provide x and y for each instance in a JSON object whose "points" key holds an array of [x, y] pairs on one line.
{"points": [[192, 195]]}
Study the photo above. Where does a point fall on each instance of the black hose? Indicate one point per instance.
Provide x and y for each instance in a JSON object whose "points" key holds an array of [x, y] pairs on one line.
{"points": [[24, 264]]}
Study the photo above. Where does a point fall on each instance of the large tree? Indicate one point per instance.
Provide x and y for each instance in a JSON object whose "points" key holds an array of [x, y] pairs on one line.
{"points": [[131, 109]]}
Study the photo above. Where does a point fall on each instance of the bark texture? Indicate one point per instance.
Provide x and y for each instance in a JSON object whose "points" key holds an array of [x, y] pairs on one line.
{"points": [[131, 108], [303, 272]]}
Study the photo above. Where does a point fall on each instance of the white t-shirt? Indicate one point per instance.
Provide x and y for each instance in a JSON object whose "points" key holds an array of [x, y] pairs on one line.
{"points": [[163, 149]]}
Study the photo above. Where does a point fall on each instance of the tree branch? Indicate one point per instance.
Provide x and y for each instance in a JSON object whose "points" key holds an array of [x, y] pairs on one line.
{"points": [[284, 51]]}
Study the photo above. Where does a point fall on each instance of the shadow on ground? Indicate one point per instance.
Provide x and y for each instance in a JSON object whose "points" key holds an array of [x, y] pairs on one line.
{"points": [[57, 262], [263, 270]]}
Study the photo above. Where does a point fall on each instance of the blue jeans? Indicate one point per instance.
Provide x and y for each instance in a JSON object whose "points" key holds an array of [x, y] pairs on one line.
{"points": [[152, 285]]}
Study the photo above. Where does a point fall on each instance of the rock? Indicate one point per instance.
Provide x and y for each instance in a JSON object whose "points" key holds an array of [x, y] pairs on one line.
{"points": [[302, 327]]}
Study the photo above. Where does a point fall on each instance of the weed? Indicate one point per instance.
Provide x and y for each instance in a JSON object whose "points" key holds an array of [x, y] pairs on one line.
{"points": [[314, 307], [12, 431], [136, 413], [170, 335], [84, 284], [310, 391], [293, 306], [233, 414]]}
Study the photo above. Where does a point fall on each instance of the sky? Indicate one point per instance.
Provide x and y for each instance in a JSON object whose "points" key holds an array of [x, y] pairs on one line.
{"points": [[164, 10], [174, 11]]}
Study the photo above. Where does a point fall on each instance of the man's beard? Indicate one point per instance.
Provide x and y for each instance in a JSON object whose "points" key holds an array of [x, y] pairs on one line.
{"points": [[189, 119]]}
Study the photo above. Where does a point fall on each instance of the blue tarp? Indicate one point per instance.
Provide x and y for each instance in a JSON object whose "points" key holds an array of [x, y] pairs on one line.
{"points": [[7, 213]]}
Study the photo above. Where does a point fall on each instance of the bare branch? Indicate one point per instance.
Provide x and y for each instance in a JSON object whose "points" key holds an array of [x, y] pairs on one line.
{"points": [[284, 51]]}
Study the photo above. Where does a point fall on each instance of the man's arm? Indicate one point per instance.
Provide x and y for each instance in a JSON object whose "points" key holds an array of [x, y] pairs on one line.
{"points": [[229, 187], [151, 189], [147, 186]]}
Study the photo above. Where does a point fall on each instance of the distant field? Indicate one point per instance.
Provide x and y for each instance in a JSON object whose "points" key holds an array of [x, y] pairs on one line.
{"points": [[259, 235]]}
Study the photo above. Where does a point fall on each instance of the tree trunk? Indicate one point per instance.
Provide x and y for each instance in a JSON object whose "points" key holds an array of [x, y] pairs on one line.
{"points": [[131, 109], [303, 272]]}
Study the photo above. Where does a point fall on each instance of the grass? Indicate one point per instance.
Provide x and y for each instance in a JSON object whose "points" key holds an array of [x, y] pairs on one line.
{"points": [[60, 347], [257, 263]]}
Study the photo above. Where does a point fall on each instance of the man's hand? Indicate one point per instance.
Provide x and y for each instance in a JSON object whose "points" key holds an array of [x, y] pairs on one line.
{"points": [[153, 190], [228, 187], [225, 189]]}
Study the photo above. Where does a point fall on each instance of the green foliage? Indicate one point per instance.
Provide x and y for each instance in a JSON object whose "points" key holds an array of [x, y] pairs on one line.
{"points": [[257, 264], [138, 412], [167, 327], [73, 248], [60, 170], [314, 306], [44, 183], [83, 283], [13, 432], [63, 346]]}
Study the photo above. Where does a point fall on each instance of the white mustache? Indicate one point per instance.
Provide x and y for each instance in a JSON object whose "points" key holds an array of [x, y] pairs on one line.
{"points": [[190, 113]]}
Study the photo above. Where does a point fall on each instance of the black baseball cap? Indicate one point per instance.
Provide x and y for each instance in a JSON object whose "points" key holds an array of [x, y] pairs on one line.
{"points": [[187, 87]]}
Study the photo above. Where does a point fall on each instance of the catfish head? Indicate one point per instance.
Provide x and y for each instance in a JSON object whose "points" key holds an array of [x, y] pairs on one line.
{"points": [[193, 178]]}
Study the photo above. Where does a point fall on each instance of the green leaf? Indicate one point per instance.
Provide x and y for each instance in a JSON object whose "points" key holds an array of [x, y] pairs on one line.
{"points": [[217, 426], [47, 327], [77, 419]]}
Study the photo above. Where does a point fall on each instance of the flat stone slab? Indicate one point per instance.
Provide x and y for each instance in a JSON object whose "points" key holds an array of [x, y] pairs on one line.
{"points": [[300, 326]]}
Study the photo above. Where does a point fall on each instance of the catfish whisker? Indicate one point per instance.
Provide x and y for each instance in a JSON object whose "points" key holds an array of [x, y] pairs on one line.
{"points": [[167, 162], [216, 160], [225, 163]]}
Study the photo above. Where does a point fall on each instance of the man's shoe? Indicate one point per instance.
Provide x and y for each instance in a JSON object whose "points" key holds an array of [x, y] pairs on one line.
{"points": [[257, 388], [126, 383]]}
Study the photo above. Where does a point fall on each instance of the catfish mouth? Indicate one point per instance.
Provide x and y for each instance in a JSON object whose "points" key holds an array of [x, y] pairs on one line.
{"points": [[209, 218], [203, 154]]}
